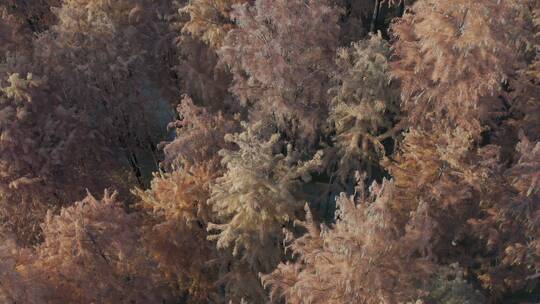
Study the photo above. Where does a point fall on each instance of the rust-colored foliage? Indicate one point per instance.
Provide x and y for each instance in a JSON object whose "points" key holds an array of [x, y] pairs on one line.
{"points": [[280, 56], [366, 101], [364, 243], [199, 134], [453, 57], [210, 19], [90, 253], [175, 232], [322, 151]]}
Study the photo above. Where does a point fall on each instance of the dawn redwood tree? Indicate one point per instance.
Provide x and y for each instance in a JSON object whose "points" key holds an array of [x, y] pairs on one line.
{"points": [[90, 240], [37, 172], [451, 167], [463, 125], [36, 15], [79, 109], [364, 106], [210, 20], [175, 229], [199, 135], [322, 151], [280, 55], [453, 58], [119, 86], [258, 194], [363, 243], [90, 253]]}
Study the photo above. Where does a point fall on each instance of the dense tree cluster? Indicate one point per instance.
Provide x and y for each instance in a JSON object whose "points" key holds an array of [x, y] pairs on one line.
{"points": [[269, 151]]}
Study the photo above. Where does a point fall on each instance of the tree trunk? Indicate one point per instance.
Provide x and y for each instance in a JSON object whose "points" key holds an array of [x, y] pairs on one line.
{"points": [[375, 16]]}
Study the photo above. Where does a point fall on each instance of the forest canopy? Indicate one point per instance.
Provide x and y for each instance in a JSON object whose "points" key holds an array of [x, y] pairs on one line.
{"points": [[270, 151]]}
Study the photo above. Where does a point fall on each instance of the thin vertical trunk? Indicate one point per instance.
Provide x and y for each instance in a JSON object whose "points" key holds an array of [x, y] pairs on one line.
{"points": [[375, 16], [401, 8]]}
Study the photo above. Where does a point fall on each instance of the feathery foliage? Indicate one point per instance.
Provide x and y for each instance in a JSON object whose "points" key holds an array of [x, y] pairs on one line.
{"points": [[322, 151]]}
